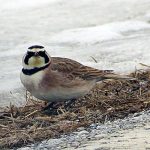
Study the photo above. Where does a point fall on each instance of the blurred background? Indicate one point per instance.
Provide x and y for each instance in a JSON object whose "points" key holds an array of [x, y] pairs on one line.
{"points": [[114, 32]]}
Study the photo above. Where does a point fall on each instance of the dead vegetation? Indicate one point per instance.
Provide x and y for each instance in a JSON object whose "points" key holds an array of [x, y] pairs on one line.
{"points": [[107, 101]]}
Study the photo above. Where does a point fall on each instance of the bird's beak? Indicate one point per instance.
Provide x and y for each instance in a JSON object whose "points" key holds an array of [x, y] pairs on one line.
{"points": [[36, 54]]}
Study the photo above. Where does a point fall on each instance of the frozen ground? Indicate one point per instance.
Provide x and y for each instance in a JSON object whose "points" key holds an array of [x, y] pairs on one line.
{"points": [[115, 32]]}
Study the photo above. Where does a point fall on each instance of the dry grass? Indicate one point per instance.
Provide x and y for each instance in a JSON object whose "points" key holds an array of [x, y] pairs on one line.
{"points": [[107, 101]]}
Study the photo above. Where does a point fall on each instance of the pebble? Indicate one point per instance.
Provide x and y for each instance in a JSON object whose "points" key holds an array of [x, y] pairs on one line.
{"points": [[80, 129], [83, 132], [93, 132], [147, 127]]}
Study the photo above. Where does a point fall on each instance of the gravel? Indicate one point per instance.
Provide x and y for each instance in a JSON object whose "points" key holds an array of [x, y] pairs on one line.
{"points": [[98, 131]]}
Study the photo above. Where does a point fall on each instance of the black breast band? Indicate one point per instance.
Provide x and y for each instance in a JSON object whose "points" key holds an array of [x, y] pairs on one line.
{"points": [[34, 70]]}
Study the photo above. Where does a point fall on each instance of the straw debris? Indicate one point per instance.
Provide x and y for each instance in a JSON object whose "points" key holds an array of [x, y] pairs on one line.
{"points": [[109, 100]]}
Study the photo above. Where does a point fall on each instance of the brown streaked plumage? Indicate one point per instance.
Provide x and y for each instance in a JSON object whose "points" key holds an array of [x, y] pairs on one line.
{"points": [[59, 79], [74, 69]]}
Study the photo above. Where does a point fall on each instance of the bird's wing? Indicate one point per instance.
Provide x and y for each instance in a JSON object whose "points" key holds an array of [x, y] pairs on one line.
{"points": [[74, 69]]}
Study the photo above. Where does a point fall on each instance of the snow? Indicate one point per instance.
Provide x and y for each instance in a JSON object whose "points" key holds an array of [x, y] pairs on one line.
{"points": [[101, 33], [116, 33], [17, 4]]}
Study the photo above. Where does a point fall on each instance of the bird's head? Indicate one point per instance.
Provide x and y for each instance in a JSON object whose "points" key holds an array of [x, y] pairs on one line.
{"points": [[35, 57]]}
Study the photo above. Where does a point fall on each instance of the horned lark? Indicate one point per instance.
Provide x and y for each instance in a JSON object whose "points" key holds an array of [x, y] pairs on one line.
{"points": [[55, 79]]}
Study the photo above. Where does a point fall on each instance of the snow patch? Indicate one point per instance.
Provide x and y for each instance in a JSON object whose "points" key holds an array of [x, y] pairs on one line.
{"points": [[91, 35], [20, 4]]}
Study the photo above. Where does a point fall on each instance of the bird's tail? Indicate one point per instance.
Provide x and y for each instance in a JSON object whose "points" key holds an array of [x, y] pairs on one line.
{"points": [[117, 77], [92, 73]]}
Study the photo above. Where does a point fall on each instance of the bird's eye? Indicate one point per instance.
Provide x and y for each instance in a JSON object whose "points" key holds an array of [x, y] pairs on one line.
{"points": [[28, 56], [41, 53], [44, 55], [30, 53]]}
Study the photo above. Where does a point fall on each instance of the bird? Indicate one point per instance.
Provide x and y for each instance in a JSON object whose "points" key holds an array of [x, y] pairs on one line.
{"points": [[57, 79]]}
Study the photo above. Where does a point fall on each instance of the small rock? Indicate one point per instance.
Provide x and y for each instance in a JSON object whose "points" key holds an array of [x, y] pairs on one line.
{"points": [[83, 132], [147, 127], [75, 144], [81, 128], [93, 126]]}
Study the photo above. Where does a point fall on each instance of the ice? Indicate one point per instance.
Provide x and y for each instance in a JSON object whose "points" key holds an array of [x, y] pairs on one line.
{"points": [[116, 33]]}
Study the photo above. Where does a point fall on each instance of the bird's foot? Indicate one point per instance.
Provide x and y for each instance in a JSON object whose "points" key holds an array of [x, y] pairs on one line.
{"points": [[69, 103], [50, 109], [53, 107]]}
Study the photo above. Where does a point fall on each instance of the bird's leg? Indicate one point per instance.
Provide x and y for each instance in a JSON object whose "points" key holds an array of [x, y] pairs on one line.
{"points": [[52, 108], [69, 103], [49, 106]]}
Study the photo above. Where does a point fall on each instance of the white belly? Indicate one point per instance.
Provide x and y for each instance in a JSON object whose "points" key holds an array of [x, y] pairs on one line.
{"points": [[58, 93], [31, 83], [62, 94]]}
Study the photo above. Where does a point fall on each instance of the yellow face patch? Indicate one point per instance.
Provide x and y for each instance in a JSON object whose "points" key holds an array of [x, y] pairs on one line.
{"points": [[36, 61]]}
